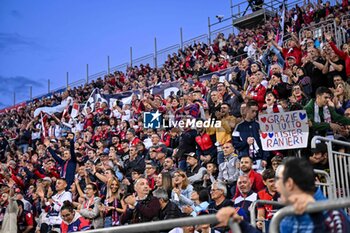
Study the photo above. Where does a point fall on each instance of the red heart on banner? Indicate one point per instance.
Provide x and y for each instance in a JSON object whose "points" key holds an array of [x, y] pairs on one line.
{"points": [[263, 135], [263, 119]]}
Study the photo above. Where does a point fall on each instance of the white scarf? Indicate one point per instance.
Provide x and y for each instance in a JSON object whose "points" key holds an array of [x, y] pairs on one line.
{"points": [[326, 114]]}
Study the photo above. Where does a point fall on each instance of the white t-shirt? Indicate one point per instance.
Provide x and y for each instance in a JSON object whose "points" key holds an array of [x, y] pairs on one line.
{"points": [[126, 115], [36, 135]]}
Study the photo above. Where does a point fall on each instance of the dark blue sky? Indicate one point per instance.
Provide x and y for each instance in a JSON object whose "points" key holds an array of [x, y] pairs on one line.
{"points": [[42, 40]]}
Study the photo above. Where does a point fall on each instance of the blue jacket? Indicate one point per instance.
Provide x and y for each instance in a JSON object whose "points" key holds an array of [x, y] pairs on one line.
{"points": [[326, 221], [70, 167], [267, 63], [244, 130]]}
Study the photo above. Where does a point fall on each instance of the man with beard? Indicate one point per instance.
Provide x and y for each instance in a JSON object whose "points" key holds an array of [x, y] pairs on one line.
{"points": [[255, 178]]}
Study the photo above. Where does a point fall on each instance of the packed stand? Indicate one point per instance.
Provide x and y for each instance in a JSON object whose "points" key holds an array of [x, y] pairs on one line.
{"points": [[104, 169]]}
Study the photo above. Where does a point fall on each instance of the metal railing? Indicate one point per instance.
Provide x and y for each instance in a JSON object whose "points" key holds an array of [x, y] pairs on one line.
{"points": [[202, 39], [345, 23], [121, 67], [237, 11], [94, 77], [311, 208], [339, 165], [329, 26], [165, 224], [252, 210], [147, 59], [326, 187], [244, 8], [229, 29], [162, 55], [77, 83]]}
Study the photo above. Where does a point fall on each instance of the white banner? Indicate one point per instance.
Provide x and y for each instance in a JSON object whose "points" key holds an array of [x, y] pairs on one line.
{"points": [[282, 131]]}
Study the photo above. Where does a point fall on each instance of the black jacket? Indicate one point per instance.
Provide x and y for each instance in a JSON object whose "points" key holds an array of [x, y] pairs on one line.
{"points": [[187, 143], [170, 211], [137, 163]]}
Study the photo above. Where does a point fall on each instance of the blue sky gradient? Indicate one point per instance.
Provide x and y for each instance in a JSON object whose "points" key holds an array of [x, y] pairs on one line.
{"points": [[41, 40]]}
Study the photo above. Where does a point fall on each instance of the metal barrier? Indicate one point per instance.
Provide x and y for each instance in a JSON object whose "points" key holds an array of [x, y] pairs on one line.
{"points": [[121, 67], [166, 224], [243, 8], [252, 210], [57, 90], [326, 187], [328, 26], [144, 60], [339, 167], [229, 29], [345, 23], [311, 208], [97, 75], [162, 55], [77, 83], [202, 38]]}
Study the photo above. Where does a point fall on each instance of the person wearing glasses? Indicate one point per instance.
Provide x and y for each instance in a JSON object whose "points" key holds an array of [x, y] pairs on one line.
{"points": [[90, 206], [151, 174], [298, 99], [72, 221], [275, 162], [182, 190]]}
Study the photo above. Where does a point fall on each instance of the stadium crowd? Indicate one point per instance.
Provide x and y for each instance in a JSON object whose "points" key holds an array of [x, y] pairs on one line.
{"points": [[102, 168]]}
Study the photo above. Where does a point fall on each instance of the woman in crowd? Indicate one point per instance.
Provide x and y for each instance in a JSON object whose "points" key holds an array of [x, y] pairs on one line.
{"points": [[298, 99], [343, 53], [200, 198], [90, 206], [341, 98], [303, 80], [212, 174], [113, 204], [164, 181], [182, 190], [125, 125]]}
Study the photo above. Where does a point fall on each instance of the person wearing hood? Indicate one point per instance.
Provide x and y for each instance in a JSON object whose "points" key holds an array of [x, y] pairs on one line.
{"points": [[72, 221]]}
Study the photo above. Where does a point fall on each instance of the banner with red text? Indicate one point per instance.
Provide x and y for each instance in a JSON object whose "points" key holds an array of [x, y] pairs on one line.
{"points": [[282, 131]]}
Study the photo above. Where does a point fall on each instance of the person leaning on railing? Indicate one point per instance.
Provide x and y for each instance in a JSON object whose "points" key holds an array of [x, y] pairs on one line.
{"points": [[298, 191]]}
